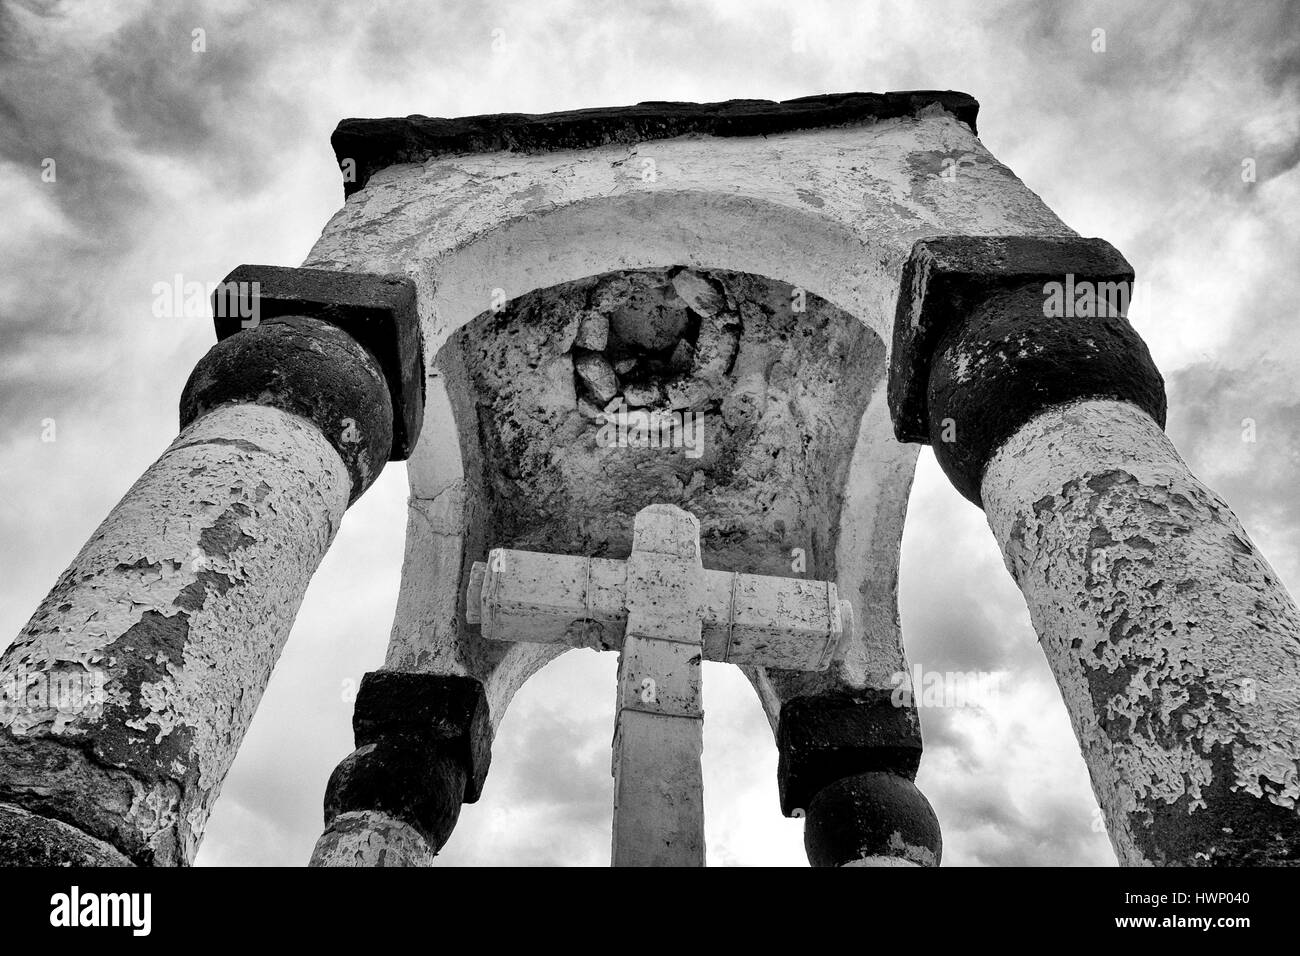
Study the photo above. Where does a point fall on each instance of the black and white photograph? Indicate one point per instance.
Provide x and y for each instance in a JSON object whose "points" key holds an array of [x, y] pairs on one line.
{"points": [[753, 434]]}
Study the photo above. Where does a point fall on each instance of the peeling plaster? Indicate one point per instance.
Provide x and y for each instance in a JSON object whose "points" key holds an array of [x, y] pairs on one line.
{"points": [[1176, 648], [182, 599]]}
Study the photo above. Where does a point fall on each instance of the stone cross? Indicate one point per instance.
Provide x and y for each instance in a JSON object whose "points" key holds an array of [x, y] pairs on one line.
{"points": [[665, 613]]}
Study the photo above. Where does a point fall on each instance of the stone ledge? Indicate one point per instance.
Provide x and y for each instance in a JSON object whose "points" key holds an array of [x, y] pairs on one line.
{"points": [[374, 144]]}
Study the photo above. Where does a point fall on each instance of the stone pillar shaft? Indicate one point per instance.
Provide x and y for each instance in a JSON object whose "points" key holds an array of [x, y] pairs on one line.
{"points": [[1176, 648], [166, 627], [124, 700]]}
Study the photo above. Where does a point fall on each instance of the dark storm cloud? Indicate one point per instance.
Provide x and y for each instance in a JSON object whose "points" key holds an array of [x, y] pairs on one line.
{"points": [[1208, 67], [100, 105], [1242, 427], [227, 109], [104, 108]]}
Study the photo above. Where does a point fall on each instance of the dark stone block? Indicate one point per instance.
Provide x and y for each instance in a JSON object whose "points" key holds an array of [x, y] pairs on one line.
{"points": [[980, 345], [1006, 363], [373, 144], [946, 277], [308, 367], [444, 710], [824, 739], [872, 814], [419, 783], [377, 310]]}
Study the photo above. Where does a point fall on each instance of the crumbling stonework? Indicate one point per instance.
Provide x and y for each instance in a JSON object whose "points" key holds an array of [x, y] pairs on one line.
{"points": [[778, 395]]}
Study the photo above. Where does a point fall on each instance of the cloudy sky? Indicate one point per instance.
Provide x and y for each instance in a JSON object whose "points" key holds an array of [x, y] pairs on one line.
{"points": [[170, 161]]}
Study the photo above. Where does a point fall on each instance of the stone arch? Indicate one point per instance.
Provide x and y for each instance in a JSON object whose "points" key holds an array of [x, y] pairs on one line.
{"points": [[831, 202], [634, 231]]}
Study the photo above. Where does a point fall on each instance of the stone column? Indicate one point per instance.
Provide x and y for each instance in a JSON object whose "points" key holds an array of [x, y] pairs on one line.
{"points": [[124, 699], [424, 745], [1176, 649]]}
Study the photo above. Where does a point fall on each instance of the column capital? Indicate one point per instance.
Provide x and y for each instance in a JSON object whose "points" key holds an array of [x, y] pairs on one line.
{"points": [[991, 330], [378, 310]]}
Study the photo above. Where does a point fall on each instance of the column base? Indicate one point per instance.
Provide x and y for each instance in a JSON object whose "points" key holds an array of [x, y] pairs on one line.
{"points": [[366, 838]]}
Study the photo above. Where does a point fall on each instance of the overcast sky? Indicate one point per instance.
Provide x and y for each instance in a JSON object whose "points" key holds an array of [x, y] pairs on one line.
{"points": [[169, 161]]}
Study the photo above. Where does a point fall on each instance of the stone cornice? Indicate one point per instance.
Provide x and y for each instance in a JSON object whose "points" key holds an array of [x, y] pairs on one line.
{"points": [[373, 144]]}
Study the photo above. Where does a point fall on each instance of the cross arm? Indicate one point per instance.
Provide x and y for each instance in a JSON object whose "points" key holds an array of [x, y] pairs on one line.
{"points": [[752, 619]]}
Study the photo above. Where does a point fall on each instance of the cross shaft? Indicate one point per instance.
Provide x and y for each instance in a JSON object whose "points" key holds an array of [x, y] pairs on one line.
{"points": [[665, 613]]}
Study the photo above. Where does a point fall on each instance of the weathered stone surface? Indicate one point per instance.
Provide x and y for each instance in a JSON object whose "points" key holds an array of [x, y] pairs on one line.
{"points": [[643, 394], [598, 376], [372, 144], [30, 840], [872, 815], [559, 391], [659, 726], [1006, 362], [1173, 642], [716, 348], [658, 782], [651, 328], [683, 357], [747, 619], [379, 311], [698, 293], [310, 368], [419, 783], [445, 711], [593, 331], [369, 838], [687, 394], [180, 603]]}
